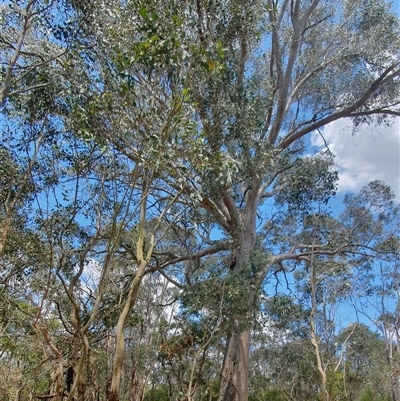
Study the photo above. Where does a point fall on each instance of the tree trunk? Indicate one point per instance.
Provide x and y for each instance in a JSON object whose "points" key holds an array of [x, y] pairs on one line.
{"points": [[119, 334], [136, 390], [81, 387], [235, 372], [57, 375], [325, 396], [133, 293], [393, 373]]}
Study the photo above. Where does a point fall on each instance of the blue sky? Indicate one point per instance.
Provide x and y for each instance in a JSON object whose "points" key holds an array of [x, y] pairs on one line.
{"points": [[373, 153]]}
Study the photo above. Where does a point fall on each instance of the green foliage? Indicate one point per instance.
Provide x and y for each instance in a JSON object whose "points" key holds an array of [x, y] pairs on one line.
{"points": [[369, 395], [286, 314], [227, 295], [268, 395], [369, 211], [309, 181], [158, 394]]}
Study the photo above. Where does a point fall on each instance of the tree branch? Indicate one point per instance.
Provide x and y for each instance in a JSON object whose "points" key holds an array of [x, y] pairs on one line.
{"points": [[347, 112]]}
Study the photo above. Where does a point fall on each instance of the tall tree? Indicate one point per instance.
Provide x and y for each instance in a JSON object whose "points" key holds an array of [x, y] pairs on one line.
{"points": [[321, 64], [258, 78]]}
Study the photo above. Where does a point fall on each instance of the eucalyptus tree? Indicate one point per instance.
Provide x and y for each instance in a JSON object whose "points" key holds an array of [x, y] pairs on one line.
{"points": [[364, 235], [364, 361], [75, 98], [284, 73], [25, 261], [34, 40], [21, 277], [253, 80], [49, 249], [376, 297]]}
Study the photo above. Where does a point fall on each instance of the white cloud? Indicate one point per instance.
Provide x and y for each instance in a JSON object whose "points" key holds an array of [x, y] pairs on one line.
{"points": [[373, 153]]}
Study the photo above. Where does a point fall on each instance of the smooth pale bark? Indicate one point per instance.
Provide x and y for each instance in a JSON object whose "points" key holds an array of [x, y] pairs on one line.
{"points": [[129, 304], [315, 343], [119, 334], [143, 259]]}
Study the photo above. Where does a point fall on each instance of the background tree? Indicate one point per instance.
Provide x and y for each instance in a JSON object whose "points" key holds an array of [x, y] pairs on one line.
{"points": [[364, 358]]}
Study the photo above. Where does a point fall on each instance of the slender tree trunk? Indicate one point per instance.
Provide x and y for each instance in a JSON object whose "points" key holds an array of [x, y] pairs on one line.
{"points": [[5, 230], [325, 396], [82, 386], [119, 334], [76, 346], [393, 374], [136, 390], [58, 373], [79, 355], [143, 259]]}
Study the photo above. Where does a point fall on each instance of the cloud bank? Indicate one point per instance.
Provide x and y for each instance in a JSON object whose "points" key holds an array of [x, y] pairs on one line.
{"points": [[373, 153]]}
